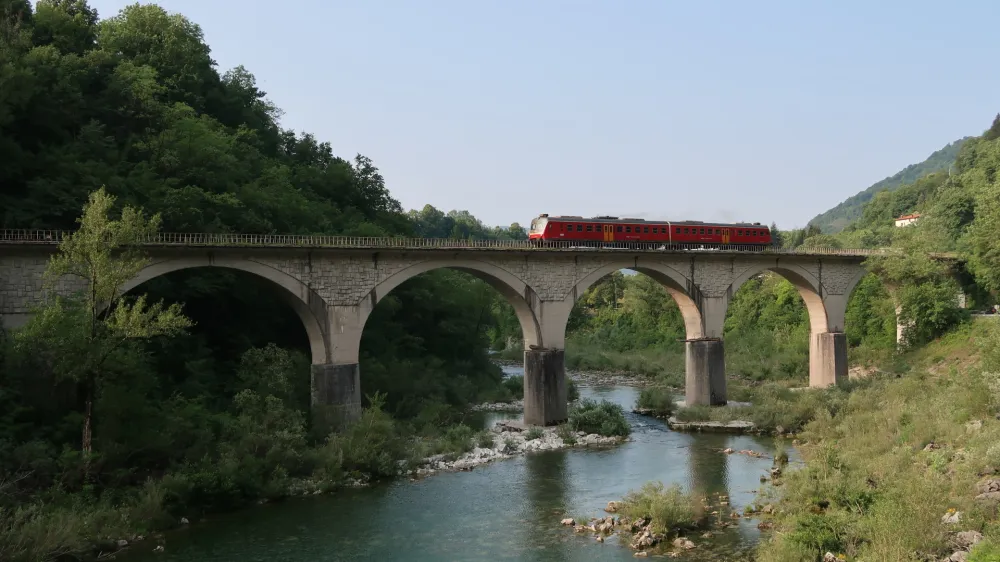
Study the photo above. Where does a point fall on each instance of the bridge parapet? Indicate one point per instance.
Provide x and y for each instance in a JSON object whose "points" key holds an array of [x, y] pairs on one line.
{"points": [[228, 240]]}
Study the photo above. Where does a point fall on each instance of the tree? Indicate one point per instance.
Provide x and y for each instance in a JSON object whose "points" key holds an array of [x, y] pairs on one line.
{"points": [[80, 333], [777, 238]]}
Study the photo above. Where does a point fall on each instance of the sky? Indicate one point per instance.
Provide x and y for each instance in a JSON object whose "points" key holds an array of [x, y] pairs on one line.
{"points": [[766, 111]]}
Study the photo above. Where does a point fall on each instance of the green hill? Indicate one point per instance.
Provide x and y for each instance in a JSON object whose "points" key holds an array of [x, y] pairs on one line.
{"points": [[838, 217]]}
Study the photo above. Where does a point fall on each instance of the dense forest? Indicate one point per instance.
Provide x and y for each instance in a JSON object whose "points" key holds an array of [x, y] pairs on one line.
{"points": [[216, 414], [835, 219]]}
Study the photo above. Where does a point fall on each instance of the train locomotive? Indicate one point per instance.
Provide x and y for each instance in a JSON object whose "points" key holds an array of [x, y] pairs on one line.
{"points": [[601, 231]]}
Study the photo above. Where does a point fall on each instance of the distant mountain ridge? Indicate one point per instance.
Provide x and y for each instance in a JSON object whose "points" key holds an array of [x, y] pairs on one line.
{"points": [[837, 218]]}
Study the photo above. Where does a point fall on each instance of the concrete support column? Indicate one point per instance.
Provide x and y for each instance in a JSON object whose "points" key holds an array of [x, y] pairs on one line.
{"points": [[827, 359], [336, 396], [705, 378], [545, 392]]}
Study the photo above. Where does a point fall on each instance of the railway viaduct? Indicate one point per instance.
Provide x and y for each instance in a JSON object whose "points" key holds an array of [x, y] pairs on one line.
{"points": [[334, 283]]}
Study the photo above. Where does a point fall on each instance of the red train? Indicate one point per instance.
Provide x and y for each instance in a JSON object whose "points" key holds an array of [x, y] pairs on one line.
{"points": [[598, 230]]}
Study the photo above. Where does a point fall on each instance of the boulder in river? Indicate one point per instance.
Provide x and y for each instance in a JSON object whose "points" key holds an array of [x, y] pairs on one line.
{"points": [[612, 507], [569, 521]]}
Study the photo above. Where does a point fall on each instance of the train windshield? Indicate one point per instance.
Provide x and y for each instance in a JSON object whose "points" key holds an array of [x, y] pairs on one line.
{"points": [[537, 224]]}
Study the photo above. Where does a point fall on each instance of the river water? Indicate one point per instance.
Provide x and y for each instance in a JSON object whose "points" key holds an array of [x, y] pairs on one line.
{"points": [[506, 510]]}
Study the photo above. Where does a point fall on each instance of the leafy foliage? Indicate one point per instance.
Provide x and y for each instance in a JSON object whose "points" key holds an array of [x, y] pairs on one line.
{"points": [[603, 418]]}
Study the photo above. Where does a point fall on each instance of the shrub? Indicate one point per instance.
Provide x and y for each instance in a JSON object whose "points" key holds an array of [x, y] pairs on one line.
{"points": [[572, 390], [657, 398], [566, 433], [371, 445], [669, 509], [484, 439], [515, 384], [534, 433], [457, 439], [603, 418]]}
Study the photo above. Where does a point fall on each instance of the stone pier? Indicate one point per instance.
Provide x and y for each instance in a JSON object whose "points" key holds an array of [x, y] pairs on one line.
{"points": [[545, 391], [336, 395], [705, 366], [827, 359]]}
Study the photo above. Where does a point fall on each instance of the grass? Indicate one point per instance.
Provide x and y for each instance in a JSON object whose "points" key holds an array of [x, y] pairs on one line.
{"points": [[870, 488], [534, 433], [603, 418], [669, 509], [774, 407], [659, 399], [666, 367]]}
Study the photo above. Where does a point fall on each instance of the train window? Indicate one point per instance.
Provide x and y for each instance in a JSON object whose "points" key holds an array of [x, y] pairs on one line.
{"points": [[739, 233], [590, 228], [579, 228], [645, 229], [678, 231], [619, 229], [655, 230], [628, 229], [686, 231], [702, 231]]}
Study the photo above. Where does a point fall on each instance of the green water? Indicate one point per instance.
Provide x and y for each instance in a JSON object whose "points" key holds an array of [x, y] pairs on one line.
{"points": [[507, 510]]}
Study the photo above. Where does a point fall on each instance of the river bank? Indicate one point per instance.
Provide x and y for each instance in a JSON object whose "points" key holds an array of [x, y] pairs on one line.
{"points": [[506, 510]]}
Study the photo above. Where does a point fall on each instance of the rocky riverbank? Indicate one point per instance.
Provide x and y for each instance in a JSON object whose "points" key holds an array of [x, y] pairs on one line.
{"points": [[512, 439]]}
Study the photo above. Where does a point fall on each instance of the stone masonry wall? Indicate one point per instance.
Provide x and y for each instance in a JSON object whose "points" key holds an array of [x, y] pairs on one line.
{"points": [[346, 279]]}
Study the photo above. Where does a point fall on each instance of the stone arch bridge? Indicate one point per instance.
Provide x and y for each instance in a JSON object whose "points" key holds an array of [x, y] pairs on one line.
{"points": [[334, 283]]}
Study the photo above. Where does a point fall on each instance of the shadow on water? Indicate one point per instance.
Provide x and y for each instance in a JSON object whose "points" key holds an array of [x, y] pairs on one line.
{"points": [[507, 510]]}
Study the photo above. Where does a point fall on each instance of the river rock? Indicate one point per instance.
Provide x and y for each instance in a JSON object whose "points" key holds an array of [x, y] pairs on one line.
{"points": [[184, 521], [159, 548], [958, 556], [989, 497], [612, 507], [683, 543], [951, 517], [967, 539], [568, 521], [122, 543], [988, 485]]}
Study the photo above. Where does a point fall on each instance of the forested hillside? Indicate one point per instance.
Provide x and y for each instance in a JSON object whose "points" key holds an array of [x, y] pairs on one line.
{"points": [[837, 218], [217, 414]]}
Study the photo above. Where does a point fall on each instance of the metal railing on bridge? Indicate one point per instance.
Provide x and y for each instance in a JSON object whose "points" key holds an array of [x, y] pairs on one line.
{"points": [[226, 240]]}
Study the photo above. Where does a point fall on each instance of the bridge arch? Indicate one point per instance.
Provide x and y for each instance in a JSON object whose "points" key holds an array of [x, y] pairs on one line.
{"points": [[514, 290], [808, 286], [308, 305], [668, 277]]}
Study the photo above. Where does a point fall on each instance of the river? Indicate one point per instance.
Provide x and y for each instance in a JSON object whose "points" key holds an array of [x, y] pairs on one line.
{"points": [[506, 510]]}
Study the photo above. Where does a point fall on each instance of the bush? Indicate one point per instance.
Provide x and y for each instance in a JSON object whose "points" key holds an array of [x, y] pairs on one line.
{"points": [[669, 509], [515, 384], [603, 418], [484, 439], [572, 391], [371, 445], [659, 399], [566, 433], [534, 433]]}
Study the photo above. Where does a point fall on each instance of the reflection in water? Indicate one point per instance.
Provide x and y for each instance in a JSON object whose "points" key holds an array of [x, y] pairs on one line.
{"points": [[508, 510], [707, 469], [545, 487]]}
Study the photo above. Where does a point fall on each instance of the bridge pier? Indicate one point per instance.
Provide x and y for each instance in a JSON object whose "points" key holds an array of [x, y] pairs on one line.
{"points": [[545, 391], [705, 372], [336, 396], [827, 359]]}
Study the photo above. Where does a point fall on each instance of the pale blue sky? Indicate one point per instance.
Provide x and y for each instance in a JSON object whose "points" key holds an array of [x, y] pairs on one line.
{"points": [[759, 111]]}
